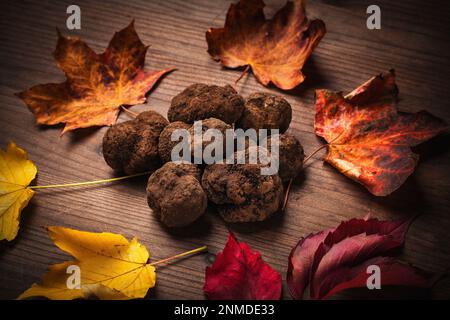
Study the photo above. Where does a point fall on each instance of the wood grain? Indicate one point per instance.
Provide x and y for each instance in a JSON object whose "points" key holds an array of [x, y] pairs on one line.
{"points": [[414, 40]]}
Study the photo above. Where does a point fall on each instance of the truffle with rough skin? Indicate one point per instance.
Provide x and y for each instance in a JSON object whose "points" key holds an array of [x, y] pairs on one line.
{"points": [[166, 144], [175, 194], [241, 192], [132, 146], [291, 156], [211, 123], [200, 101], [265, 111]]}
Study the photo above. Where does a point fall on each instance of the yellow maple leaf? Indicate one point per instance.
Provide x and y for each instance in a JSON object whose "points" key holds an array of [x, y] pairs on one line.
{"points": [[110, 267], [16, 173]]}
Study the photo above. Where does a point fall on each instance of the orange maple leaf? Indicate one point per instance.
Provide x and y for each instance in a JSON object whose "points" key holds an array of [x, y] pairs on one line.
{"points": [[97, 85], [368, 139], [275, 49]]}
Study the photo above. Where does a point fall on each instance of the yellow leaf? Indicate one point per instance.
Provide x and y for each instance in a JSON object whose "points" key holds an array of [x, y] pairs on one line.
{"points": [[54, 285], [16, 173], [111, 267]]}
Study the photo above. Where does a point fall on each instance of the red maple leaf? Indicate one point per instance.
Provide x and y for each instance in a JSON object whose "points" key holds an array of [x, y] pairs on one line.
{"points": [[368, 139], [239, 273]]}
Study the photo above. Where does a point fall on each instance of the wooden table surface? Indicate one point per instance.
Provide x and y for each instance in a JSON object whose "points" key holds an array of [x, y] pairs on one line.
{"points": [[414, 39]]}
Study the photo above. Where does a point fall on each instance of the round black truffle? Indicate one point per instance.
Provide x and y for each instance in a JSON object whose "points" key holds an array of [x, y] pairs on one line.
{"points": [[241, 192], [132, 146], [200, 141], [175, 194], [290, 155], [166, 144], [265, 111], [200, 101]]}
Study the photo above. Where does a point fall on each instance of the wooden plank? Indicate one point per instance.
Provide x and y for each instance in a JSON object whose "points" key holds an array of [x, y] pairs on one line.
{"points": [[414, 40]]}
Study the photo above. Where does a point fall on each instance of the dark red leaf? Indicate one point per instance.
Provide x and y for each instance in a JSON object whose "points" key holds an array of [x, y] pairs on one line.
{"points": [[336, 259], [393, 273], [300, 262], [239, 273]]}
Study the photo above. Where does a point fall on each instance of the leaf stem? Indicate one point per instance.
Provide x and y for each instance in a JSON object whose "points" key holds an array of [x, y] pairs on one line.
{"points": [[314, 152], [288, 189], [242, 74], [131, 113], [321, 147], [286, 195], [86, 183], [178, 256]]}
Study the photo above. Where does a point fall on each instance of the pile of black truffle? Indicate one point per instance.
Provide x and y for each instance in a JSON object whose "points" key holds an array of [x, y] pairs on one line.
{"points": [[179, 192]]}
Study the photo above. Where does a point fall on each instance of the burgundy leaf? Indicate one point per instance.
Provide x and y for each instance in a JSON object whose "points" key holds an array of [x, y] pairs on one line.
{"points": [[336, 259], [239, 273], [393, 273], [300, 261]]}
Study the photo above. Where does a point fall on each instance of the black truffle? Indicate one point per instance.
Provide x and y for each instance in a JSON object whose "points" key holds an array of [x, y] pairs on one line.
{"points": [[241, 192], [175, 194], [211, 123], [132, 146], [265, 111], [290, 155], [200, 101], [166, 144]]}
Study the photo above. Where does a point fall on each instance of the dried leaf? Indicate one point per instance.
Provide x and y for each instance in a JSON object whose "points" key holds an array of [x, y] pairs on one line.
{"points": [[97, 84], [110, 267], [369, 140], [239, 273], [275, 49], [16, 173], [392, 271], [337, 259], [54, 287]]}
